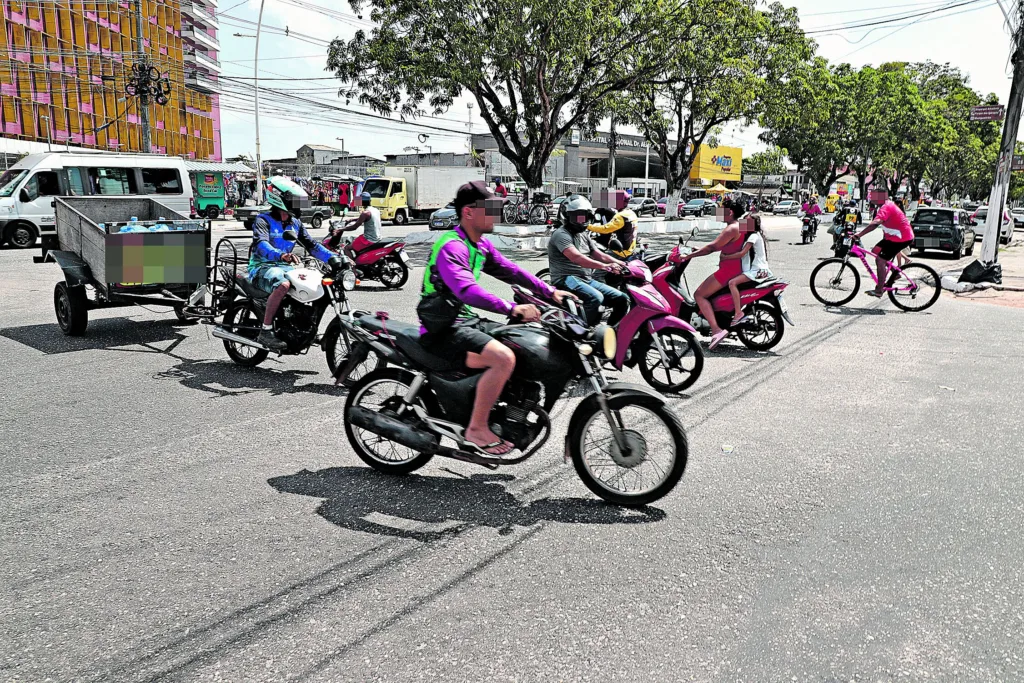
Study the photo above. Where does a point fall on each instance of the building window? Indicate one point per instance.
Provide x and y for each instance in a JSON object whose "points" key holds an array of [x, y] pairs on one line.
{"points": [[161, 181]]}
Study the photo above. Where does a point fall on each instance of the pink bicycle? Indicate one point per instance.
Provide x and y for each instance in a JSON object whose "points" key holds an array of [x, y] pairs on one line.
{"points": [[835, 281]]}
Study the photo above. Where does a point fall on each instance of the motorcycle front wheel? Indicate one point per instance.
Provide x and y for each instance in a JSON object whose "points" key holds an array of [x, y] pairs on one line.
{"points": [[652, 462], [337, 344], [672, 362]]}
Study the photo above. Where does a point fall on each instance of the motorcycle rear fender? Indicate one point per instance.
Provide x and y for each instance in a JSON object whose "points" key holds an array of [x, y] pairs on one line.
{"points": [[634, 322]]}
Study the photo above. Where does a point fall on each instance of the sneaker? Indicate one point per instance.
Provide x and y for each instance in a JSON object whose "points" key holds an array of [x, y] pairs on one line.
{"points": [[873, 293], [268, 339], [718, 338]]}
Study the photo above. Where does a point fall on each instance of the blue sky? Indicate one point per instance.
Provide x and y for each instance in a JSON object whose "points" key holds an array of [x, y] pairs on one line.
{"points": [[971, 37]]}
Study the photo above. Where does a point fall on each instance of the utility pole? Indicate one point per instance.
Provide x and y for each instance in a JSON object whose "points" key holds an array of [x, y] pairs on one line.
{"points": [[612, 140], [143, 64], [256, 91], [1001, 184]]}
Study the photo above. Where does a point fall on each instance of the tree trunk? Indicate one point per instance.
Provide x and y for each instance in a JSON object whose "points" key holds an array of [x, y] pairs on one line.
{"points": [[612, 140]]}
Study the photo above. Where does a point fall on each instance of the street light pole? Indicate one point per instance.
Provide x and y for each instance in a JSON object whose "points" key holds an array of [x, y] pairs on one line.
{"points": [[1001, 182], [256, 86], [143, 64]]}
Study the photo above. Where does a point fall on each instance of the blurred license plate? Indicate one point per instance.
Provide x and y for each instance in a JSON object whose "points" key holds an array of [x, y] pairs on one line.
{"points": [[437, 224], [402, 255], [782, 302], [848, 241], [851, 219]]}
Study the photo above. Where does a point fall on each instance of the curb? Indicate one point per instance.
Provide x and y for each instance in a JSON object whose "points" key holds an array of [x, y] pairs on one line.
{"points": [[950, 282]]}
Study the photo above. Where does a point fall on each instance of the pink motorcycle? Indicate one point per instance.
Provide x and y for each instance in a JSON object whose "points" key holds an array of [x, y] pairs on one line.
{"points": [[763, 304], [664, 347]]}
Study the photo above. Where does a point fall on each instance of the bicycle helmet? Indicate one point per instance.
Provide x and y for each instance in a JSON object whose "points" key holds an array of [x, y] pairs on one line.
{"points": [[287, 195], [578, 213]]}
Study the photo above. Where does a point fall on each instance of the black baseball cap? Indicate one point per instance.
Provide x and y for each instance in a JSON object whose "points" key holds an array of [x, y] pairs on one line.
{"points": [[470, 193]]}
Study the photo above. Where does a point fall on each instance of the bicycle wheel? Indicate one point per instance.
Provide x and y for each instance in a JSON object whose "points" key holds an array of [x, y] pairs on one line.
{"points": [[917, 288], [509, 212], [834, 282]]}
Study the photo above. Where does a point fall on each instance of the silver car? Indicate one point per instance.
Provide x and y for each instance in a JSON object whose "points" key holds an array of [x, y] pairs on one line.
{"points": [[443, 219], [787, 207]]}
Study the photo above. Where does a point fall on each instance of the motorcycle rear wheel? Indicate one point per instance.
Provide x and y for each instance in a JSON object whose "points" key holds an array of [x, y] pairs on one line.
{"points": [[377, 391], [394, 273], [652, 431], [244, 315], [766, 329]]}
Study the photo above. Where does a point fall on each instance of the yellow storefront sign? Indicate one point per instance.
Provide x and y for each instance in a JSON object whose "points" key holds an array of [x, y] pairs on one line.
{"points": [[717, 164]]}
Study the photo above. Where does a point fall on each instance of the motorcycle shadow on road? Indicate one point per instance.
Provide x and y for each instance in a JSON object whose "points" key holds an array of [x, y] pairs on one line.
{"points": [[224, 378], [447, 506]]}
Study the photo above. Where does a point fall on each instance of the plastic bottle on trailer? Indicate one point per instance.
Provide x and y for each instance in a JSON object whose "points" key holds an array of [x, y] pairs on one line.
{"points": [[160, 226], [132, 225]]}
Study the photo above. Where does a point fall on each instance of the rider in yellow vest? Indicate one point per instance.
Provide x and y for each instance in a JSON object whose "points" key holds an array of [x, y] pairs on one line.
{"points": [[623, 226]]}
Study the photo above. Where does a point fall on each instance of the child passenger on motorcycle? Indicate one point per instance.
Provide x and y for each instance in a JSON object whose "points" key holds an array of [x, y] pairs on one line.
{"points": [[755, 269]]}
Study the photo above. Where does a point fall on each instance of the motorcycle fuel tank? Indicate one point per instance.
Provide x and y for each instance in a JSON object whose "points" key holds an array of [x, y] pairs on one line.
{"points": [[307, 284], [538, 357]]}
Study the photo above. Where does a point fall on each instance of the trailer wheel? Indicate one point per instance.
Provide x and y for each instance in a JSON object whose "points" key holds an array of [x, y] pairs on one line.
{"points": [[72, 307]]}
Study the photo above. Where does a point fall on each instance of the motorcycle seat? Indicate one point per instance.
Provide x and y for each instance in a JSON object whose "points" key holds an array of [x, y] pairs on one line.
{"points": [[249, 288], [746, 285], [374, 245], [408, 340]]}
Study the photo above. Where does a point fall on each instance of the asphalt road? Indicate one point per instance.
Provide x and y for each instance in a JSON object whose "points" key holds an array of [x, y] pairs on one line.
{"points": [[167, 515]]}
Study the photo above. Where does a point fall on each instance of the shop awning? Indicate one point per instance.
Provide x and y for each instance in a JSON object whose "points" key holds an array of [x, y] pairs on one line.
{"points": [[217, 167], [718, 189]]}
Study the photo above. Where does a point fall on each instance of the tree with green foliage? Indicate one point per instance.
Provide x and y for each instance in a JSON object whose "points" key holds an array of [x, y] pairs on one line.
{"points": [[768, 162], [736, 55], [811, 120], [535, 68]]}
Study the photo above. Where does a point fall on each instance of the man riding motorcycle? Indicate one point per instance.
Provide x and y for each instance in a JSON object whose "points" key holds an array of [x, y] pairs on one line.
{"points": [[272, 255], [573, 257], [450, 287], [369, 218], [622, 226]]}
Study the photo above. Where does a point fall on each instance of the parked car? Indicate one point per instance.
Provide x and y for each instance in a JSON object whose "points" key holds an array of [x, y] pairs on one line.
{"points": [[943, 230], [443, 219], [1005, 229], [1018, 217], [787, 207], [663, 204], [970, 207], [697, 207], [643, 206]]}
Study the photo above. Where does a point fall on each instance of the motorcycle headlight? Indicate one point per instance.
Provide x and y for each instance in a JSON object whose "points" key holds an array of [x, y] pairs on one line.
{"points": [[605, 337], [348, 280]]}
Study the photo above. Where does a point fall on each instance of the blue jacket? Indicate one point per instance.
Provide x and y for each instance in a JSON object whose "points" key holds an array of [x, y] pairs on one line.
{"points": [[269, 244]]}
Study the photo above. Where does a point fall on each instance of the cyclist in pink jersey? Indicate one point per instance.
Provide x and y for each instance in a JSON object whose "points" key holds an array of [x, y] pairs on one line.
{"points": [[897, 235]]}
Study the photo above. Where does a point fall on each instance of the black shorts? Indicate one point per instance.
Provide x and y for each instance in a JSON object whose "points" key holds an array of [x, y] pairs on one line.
{"points": [[888, 249], [465, 336]]}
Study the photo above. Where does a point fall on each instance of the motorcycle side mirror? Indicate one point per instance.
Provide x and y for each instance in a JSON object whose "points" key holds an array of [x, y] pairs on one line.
{"points": [[291, 236]]}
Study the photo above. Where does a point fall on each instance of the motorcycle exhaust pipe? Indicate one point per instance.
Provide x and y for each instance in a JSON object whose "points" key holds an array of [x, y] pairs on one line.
{"points": [[221, 333], [392, 429]]}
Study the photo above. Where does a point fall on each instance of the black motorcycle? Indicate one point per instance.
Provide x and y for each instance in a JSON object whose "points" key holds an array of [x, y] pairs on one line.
{"points": [[808, 229], [624, 442]]}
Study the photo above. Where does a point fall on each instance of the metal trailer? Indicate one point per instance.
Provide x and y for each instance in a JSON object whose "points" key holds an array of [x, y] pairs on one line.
{"points": [[83, 257]]}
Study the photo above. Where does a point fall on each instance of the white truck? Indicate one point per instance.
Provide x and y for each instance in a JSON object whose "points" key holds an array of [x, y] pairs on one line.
{"points": [[405, 192]]}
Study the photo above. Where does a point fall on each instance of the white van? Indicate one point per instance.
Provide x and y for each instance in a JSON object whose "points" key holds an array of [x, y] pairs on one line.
{"points": [[27, 189]]}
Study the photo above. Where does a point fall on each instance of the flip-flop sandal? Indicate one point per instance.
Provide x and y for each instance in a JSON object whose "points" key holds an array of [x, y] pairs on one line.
{"points": [[717, 338], [740, 321], [486, 449]]}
